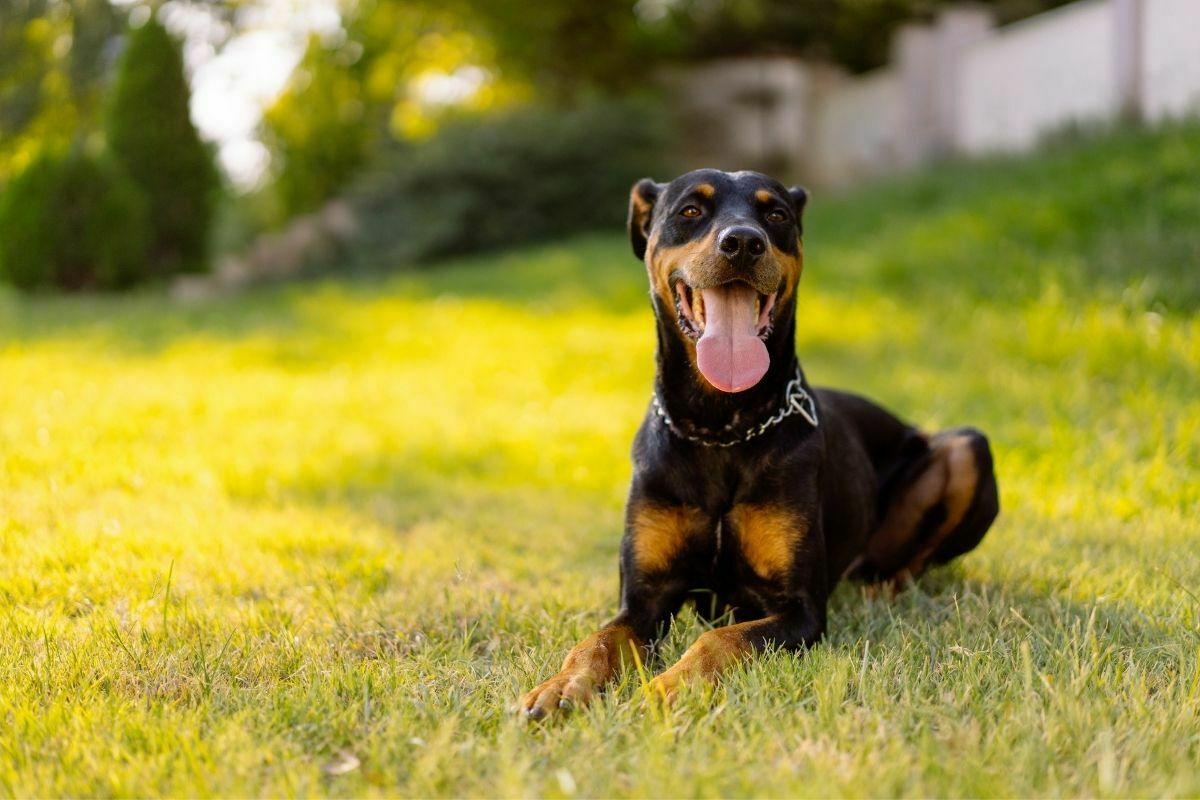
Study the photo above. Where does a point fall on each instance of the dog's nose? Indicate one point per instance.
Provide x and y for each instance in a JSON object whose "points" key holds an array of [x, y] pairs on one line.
{"points": [[742, 243]]}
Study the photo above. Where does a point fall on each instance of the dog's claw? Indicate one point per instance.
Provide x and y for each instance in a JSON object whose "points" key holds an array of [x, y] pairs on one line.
{"points": [[563, 693], [660, 693]]}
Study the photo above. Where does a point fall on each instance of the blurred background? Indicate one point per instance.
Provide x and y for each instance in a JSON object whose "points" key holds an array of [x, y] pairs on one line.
{"points": [[211, 144], [322, 346]]}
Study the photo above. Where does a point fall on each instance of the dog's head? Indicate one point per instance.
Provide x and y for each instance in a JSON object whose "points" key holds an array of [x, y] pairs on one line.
{"points": [[724, 256]]}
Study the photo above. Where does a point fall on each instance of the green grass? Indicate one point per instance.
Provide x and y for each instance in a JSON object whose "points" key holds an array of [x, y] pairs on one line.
{"points": [[241, 538]]}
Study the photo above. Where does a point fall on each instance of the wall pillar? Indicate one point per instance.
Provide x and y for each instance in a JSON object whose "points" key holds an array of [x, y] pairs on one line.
{"points": [[957, 28], [928, 58], [1129, 58]]}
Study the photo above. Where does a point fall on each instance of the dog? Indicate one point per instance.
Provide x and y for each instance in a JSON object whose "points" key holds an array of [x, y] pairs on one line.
{"points": [[748, 483]]}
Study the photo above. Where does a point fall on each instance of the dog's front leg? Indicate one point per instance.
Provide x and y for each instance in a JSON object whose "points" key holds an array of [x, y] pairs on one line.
{"points": [[590, 665], [792, 582], [599, 658], [653, 587], [802, 624]]}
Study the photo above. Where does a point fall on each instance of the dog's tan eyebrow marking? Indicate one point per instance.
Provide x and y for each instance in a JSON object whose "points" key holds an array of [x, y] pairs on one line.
{"points": [[763, 196], [706, 190]]}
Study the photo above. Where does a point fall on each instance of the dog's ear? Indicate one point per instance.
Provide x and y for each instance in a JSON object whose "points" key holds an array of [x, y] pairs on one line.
{"points": [[799, 197], [641, 208]]}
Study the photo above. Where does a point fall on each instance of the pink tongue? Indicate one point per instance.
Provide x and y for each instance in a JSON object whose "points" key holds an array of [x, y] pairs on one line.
{"points": [[729, 354]]}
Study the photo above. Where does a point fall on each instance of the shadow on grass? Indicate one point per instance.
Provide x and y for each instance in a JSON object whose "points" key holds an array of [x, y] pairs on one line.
{"points": [[145, 323], [482, 512], [593, 272], [946, 609]]}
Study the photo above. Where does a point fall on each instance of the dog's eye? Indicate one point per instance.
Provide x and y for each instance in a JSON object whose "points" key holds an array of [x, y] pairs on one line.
{"points": [[691, 212], [776, 216]]}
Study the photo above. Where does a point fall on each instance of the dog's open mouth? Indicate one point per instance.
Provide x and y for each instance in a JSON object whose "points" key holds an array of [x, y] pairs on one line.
{"points": [[728, 323], [689, 305]]}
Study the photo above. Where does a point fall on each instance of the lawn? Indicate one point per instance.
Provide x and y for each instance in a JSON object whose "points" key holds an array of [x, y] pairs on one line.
{"points": [[314, 540]]}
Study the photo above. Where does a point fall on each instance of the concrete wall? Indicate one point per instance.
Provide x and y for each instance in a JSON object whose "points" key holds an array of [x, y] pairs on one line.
{"points": [[958, 85], [745, 113], [1037, 75], [1170, 74], [856, 128]]}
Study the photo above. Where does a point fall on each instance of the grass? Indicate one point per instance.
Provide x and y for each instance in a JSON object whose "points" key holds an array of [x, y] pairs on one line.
{"points": [[314, 540]]}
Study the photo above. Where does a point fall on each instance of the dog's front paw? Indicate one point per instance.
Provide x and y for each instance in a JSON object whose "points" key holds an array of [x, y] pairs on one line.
{"points": [[564, 691], [662, 691]]}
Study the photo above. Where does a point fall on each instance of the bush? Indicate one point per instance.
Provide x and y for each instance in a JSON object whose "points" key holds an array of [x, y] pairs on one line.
{"points": [[527, 174], [73, 221], [151, 134]]}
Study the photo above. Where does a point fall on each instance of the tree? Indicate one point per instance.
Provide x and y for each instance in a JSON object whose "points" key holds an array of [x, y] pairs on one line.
{"points": [[350, 94], [151, 133], [54, 61], [72, 220], [317, 129], [566, 48]]}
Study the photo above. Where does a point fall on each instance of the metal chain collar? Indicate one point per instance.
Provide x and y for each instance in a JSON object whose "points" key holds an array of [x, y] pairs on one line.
{"points": [[795, 401]]}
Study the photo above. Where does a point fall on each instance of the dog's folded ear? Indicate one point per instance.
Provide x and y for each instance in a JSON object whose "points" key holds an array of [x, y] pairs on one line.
{"points": [[641, 208], [799, 197]]}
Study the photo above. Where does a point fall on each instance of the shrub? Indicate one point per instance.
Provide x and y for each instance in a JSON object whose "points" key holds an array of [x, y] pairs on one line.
{"points": [[151, 134], [527, 174], [73, 221]]}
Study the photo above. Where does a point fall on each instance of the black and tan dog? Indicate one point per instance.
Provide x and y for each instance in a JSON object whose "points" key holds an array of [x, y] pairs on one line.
{"points": [[748, 483]]}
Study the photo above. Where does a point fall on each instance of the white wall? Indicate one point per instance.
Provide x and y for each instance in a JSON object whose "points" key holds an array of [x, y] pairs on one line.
{"points": [[958, 85], [857, 128], [1171, 58], [1037, 75]]}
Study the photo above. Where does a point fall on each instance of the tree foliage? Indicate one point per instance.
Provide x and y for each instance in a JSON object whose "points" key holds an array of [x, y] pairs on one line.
{"points": [[72, 220], [54, 58], [520, 175], [353, 94], [151, 133], [317, 129], [566, 47]]}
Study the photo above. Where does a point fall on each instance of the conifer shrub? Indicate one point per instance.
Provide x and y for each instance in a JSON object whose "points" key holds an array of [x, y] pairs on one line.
{"points": [[73, 220], [150, 132]]}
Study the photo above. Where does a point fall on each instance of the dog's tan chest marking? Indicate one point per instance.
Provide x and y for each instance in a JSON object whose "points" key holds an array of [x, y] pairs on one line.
{"points": [[660, 532], [767, 536]]}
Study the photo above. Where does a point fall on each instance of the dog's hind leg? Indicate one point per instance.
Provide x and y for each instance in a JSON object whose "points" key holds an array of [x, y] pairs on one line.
{"points": [[939, 506], [983, 505]]}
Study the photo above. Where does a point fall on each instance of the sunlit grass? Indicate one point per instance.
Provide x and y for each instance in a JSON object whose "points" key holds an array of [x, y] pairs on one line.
{"points": [[241, 538]]}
